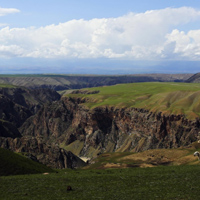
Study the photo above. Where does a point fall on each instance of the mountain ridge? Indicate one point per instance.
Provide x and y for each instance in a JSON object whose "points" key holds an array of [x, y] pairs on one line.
{"points": [[65, 82]]}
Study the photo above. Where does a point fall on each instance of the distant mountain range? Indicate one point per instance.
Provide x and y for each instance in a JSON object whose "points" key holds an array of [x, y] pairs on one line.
{"points": [[65, 82]]}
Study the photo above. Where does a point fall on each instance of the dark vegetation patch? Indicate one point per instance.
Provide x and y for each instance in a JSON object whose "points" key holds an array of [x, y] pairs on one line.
{"points": [[14, 164]]}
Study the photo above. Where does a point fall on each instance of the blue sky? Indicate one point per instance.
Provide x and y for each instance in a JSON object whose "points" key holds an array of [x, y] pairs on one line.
{"points": [[107, 36]]}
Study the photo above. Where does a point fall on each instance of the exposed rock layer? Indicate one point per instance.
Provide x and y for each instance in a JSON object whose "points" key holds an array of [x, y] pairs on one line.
{"points": [[110, 129], [30, 99], [16, 106], [52, 156]]}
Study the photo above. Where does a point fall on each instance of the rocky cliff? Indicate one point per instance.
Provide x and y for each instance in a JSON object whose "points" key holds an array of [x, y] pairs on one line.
{"points": [[108, 129], [31, 99], [16, 106], [35, 148]]}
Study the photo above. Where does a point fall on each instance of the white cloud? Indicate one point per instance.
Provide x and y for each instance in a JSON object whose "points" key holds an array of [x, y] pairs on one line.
{"points": [[151, 35], [6, 11], [187, 45]]}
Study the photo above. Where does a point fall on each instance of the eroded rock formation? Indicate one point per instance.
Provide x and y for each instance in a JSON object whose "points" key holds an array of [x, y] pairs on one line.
{"points": [[109, 129], [50, 155], [16, 106]]}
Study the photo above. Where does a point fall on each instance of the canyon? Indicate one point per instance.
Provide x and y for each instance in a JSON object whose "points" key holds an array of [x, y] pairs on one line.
{"points": [[58, 130], [90, 132]]}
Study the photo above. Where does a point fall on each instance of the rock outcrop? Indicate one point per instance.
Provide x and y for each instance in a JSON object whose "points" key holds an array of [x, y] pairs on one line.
{"points": [[52, 156], [32, 99], [109, 129], [16, 106], [7, 129], [12, 112]]}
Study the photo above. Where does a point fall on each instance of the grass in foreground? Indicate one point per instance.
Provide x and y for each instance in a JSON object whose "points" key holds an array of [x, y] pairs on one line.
{"points": [[163, 183], [177, 98]]}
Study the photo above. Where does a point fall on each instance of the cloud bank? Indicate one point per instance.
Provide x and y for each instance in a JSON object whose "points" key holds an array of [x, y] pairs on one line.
{"points": [[152, 35]]}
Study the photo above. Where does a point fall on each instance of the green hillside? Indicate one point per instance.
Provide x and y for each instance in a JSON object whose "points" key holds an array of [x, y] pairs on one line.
{"points": [[148, 158], [177, 98], [15, 164]]}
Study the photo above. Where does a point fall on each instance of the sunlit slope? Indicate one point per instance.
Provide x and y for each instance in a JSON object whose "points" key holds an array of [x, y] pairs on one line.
{"points": [[149, 158], [176, 98]]}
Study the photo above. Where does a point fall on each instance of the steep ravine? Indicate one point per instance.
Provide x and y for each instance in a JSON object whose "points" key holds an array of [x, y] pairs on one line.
{"points": [[16, 106], [85, 132]]}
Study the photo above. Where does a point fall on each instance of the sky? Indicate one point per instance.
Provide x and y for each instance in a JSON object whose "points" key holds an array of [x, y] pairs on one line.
{"points": [[99, 37]]}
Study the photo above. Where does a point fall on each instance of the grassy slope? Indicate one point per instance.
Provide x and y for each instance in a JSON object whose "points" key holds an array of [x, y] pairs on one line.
{"points": [[149, 158], [175, 182], [177, 98], [13, 164]]}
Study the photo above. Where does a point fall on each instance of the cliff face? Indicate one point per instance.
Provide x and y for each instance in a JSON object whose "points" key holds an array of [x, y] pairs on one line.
{"points": [[12, 112], [30, 99], [108, 129], [36, 149], [7, 129], [16, 106]]}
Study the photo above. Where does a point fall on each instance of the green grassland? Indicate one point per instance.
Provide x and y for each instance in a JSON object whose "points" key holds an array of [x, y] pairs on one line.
{"points": [[113, 176], [14, 164], [177, 98], [162, 183]]}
